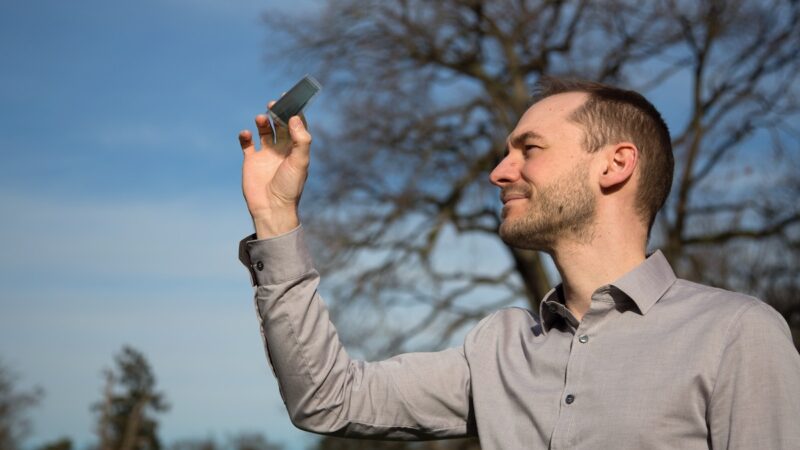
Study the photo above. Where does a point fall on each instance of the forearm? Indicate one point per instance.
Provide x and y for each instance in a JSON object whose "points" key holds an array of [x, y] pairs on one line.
{"points": [[306, 355], [413, 396]]}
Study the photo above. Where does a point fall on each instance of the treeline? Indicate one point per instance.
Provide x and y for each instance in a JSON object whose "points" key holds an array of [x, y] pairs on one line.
{"points": [[127, 417], [126, 414]]}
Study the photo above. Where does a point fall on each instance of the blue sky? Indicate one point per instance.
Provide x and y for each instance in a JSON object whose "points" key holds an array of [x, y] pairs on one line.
{"points": [[121, 208]]}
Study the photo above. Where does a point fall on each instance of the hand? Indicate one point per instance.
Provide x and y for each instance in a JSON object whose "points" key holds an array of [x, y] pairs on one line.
{"points": [[273, 177]]}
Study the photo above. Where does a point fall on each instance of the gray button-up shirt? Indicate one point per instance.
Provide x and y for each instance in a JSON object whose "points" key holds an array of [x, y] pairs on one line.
{"points": [[656, 362]]}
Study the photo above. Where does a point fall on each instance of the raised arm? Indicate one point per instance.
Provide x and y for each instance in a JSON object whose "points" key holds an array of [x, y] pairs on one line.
{"points": [[413, 396]]}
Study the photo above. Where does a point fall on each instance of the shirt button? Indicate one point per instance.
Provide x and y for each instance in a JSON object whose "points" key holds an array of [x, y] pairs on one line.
{"points": [[583, 339], [259, 266], [570, 398]]}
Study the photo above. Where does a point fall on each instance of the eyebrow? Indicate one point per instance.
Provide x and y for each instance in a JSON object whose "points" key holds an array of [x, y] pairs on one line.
{"points": [[519, 140]]}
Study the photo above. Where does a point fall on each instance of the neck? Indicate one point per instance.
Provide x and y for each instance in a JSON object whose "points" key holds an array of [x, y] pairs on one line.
{"points": [[585, 265]]}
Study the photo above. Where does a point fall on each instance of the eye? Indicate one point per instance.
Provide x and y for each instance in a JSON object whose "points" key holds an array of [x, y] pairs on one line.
{"points": [[530, 147]]}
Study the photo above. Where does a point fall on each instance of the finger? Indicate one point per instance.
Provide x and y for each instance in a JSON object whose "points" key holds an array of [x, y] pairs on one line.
{"points": [[264, 130], [246, 141], [301, 140]]}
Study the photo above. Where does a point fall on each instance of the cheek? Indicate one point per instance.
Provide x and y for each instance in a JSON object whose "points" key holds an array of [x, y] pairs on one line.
{"points": [[532, 171]]}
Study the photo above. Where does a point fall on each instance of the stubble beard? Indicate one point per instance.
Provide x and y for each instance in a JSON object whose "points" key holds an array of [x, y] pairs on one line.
{"points": [[564, 209]]}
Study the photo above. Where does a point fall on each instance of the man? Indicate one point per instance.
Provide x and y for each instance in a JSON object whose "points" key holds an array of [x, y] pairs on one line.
{"points": [[622, 354]]}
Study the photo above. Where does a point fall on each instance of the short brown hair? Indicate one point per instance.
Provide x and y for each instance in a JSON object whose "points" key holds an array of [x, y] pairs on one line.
{"points": [[612, 115]]}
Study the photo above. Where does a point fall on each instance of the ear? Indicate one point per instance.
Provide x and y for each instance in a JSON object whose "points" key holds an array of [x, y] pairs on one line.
{"points": [[620, 161]]}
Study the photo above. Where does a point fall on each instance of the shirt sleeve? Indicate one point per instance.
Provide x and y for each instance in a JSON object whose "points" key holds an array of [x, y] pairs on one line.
{"points": [[411, 396], [756, 398]]}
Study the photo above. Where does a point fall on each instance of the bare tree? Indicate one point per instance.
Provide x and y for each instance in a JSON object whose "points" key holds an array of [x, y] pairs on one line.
{"points": [[14, 403], [402, 214]]}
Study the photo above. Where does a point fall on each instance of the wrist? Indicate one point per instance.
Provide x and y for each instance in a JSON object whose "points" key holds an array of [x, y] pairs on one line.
{"points": [[275, 223]]}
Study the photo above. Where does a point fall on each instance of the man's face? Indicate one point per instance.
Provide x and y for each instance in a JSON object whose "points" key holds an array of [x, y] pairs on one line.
{"points": [[545, 177]]}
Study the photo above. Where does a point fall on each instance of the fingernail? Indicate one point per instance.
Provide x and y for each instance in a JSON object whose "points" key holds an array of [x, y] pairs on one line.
{"points": [[295, 122]]}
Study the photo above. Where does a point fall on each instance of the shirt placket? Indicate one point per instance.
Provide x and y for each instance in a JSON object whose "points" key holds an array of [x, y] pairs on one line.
{"points": [[575, 382]]}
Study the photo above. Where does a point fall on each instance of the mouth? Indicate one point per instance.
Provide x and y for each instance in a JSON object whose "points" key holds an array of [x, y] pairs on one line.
{"points": [[506, 198]]}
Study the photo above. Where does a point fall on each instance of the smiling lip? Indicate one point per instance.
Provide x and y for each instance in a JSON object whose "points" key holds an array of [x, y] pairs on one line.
{"points": [[510, 197]]}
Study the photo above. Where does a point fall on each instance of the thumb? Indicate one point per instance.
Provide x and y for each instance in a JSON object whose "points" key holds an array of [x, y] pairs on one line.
{"points": [[301, 140]]}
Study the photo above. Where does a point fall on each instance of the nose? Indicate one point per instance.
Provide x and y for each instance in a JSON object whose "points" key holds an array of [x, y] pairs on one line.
{"points": [[506, 172]]}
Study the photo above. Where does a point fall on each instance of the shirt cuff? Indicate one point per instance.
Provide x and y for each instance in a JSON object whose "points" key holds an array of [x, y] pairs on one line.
{"points": [[275, 260]]}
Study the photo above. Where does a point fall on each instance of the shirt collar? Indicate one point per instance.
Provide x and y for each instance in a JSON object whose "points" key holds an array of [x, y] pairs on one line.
{"points": [[553, 309], [648, 282], [644, 285]]}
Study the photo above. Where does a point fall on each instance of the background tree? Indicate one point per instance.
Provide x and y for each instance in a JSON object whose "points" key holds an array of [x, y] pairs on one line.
{"points": [[240, 441], [334, 443], [63, 443], [125, 413], [14, 404], [403, 216]]}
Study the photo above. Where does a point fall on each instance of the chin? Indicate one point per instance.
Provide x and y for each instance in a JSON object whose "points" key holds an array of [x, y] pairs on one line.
{"points": [[508, 230], [522, 234], [509, 212]]}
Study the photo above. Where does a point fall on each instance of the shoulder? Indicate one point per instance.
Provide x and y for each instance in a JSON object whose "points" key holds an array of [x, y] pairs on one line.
{"points": [[506, 316], [736, 314], [713, 295], [699, 300], [502, 324], [758, 322]]}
